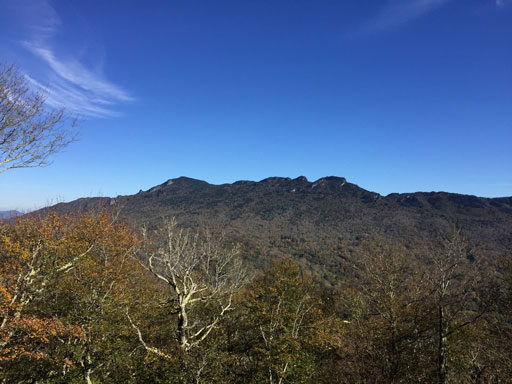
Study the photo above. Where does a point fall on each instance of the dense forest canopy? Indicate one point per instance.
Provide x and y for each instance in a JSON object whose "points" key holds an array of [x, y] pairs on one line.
{"points": [[87, 298]]}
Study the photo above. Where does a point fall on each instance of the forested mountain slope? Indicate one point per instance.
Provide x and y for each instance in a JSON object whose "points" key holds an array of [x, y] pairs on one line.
{"points": [[317, 223]]}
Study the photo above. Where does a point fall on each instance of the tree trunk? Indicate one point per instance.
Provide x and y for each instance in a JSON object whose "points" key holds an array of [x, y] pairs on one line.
{"points": [[441, 350], [182, 326]]}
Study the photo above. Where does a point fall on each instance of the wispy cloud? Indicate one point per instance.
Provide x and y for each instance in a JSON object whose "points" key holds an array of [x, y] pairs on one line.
{"points": [[75, 73], [399, 12], [60, 94], [67, 82], [37, 18], [502, 3]]}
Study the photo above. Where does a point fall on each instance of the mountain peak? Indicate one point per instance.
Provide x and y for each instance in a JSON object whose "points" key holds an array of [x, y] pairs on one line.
{"points": [[180, 182], [331, 180], [185, 179], [275, 179]]}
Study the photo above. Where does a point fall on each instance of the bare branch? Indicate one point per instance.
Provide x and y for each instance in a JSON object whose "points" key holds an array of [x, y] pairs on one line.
{"points": [[201, 272], [30, 132], [154, 350]]}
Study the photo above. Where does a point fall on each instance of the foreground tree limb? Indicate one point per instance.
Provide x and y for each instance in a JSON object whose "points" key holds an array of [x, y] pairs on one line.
{"points": [[201, 274], [30, 132]]}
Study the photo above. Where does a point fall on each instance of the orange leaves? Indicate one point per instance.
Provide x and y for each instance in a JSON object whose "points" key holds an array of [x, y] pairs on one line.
{"points": [[28, 332], [63, 236], [44, 329], [42, 259]]}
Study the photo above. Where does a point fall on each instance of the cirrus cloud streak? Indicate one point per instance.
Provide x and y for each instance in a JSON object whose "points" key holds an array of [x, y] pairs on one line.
{"points": [[66, 81]]}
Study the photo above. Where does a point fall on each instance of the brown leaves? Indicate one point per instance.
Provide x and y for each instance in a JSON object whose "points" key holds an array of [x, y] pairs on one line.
{"points": [[43, 256]]}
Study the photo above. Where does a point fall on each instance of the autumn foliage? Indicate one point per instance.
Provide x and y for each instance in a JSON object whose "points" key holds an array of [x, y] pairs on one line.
{"points": [[54, 270], [85, 299]]}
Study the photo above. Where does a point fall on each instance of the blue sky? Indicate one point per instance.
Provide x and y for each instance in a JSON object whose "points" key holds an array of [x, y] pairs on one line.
{"points": [[394, 95]]}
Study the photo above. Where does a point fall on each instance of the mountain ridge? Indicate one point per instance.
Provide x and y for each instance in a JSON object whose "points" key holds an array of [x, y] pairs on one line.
{"points": [[317, 223], [277, 179]]}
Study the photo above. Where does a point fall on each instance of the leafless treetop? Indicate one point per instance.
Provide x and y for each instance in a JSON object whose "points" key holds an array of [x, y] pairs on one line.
{"points": [[30, 131]]}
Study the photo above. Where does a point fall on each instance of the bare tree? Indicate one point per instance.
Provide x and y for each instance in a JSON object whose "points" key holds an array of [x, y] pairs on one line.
{"points": [[202, 275], [456, 285], [386, 338], [30, 131]]}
